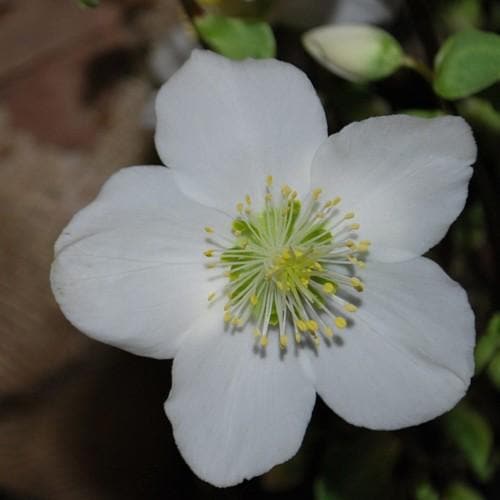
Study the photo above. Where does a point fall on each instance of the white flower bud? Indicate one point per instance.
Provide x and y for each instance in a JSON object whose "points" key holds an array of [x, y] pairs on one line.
{"points": [[356, 52]]}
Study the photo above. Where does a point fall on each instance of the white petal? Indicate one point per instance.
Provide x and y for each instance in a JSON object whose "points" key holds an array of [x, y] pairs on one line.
{"points": [[408, 355], [405, 178], [129, 267], [224, 126], [234, 413]]}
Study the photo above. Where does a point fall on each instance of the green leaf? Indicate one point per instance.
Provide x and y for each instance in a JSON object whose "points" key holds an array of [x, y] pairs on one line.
{"points": [[460, 491], [467, 63], [494, 370], [236, 38], [358, 53], [425, 491], [472, 433], [488, 344], [89, 3]]}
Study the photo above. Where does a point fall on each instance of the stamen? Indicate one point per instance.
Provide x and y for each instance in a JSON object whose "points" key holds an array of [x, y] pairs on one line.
{"points": [[287, 266]]}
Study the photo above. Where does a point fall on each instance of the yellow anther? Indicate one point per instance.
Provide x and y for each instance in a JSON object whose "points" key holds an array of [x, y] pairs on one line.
{"points": [[357, 284], [340, 322], [269, 197], [263, 341], [286, 190], [209, 229], [365, 242], [329, 287], [236, 232], [304, 281], [239, 207], [227, 316], [350, 308], [254, 299], [349, 215], [209, 253], [354, 227], [301, 325], [286, 255], [256, 332], [350, 244], [298, 338], [211, 296], [331, 203], [237, 322], [318, 266], [316, 193], [298, 253], [312, 325], [361, 264], [227, 306], [283, 341], [248, 200], [269, 180], [363, 247], [328, 331]]}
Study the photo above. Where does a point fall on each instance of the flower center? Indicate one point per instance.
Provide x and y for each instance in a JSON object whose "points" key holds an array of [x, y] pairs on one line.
{"points": [[290, 267]]}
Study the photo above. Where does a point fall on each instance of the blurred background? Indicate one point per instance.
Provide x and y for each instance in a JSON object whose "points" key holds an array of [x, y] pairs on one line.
{"points": [[80, 420]]}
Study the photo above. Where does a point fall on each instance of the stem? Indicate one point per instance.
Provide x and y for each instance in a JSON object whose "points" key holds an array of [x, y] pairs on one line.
{"points": [[421, 68]]}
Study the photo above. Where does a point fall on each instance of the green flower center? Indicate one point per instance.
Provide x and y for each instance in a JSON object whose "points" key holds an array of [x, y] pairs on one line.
{"points": [[289, 267]]}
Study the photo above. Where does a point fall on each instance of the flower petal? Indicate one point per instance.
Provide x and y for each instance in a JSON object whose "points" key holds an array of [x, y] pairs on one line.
{"points": [[405, 178], [235, 414], [129, 267], [408, 355], [224, 126]]}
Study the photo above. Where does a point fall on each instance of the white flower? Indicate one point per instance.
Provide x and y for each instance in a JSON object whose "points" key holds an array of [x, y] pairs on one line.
{"points": [[130, 268]]}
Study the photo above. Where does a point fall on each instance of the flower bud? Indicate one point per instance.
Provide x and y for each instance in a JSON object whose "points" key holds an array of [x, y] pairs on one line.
{"points": [[358, 53]]}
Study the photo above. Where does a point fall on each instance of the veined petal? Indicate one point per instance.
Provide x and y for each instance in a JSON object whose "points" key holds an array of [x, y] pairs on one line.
{"points": [[408, 355], [404, 177], [129, 267], [236, 413], [224, 126]]}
